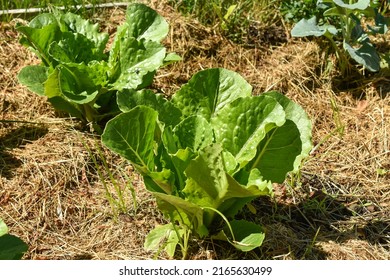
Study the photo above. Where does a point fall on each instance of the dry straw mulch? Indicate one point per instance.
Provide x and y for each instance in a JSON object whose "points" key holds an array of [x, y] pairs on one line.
{"points": [[54, 184]]}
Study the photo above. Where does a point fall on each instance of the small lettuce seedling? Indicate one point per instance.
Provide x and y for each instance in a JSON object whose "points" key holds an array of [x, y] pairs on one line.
{"points": [[77, 75], [344, 23], [208, 152]]}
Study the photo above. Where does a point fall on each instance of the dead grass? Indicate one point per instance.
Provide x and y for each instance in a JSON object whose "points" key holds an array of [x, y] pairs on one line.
{"points": [[338, 207]]}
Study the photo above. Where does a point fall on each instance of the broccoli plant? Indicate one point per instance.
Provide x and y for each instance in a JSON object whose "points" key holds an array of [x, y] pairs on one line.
{"points": [[344, 26]]}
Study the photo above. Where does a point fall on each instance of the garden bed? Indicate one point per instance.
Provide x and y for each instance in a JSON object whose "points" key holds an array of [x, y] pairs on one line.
{"points": [[57, 196]]}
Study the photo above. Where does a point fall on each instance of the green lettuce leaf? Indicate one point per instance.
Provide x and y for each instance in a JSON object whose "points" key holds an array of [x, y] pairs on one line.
{"points": [[297, 114], [68, 50], [11, 247], [77, 83], [53, 91], [127, 99], [40, 39], [78, 76], [208, 184], [219, 149], [210, 90], [243, 235], [277, 152], [194, 132], [3, 228], [145, 23], [164, 237], [185, 212], [77, 25], [131, 135], [241, 125], [34, 77], [132, 60]]}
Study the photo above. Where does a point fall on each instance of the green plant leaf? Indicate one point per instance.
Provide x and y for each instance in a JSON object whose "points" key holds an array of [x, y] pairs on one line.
{"points": [[309, 27], [164, 237], [208, 184], [180, 161], [61, 104], [12, 247], [159, 181], [359, 5], [256, 179], [33, 77], [132, 60], [379, 171], [239, 195], [247, 235], [277, 152], [226, 149], [3, 228], [54, 93], [131, 135], [229, 162], [365, 55], [43, 20], [226, 17], [80, 74], [77, 83], [229, 11], [358, 34], [76, 87], [67, 50], [76, 24], [136, 52], [381, 24], [174, 158], [208, 91], [194, 132], [145, 23], [40, 39], [171, 58], [127, 99], [295, 113], [185, 212], [241, 125], [333, 11]]}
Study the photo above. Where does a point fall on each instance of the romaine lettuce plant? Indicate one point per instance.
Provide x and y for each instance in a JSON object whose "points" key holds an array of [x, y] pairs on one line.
{"points": [[77, 74], [344, 28], [208, 152]]}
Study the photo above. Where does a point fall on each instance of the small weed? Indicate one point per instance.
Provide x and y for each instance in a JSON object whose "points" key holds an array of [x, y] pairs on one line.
{"points": [[310, 247], [116, 198], [294, 10], [336, 117], [233, 17]]}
